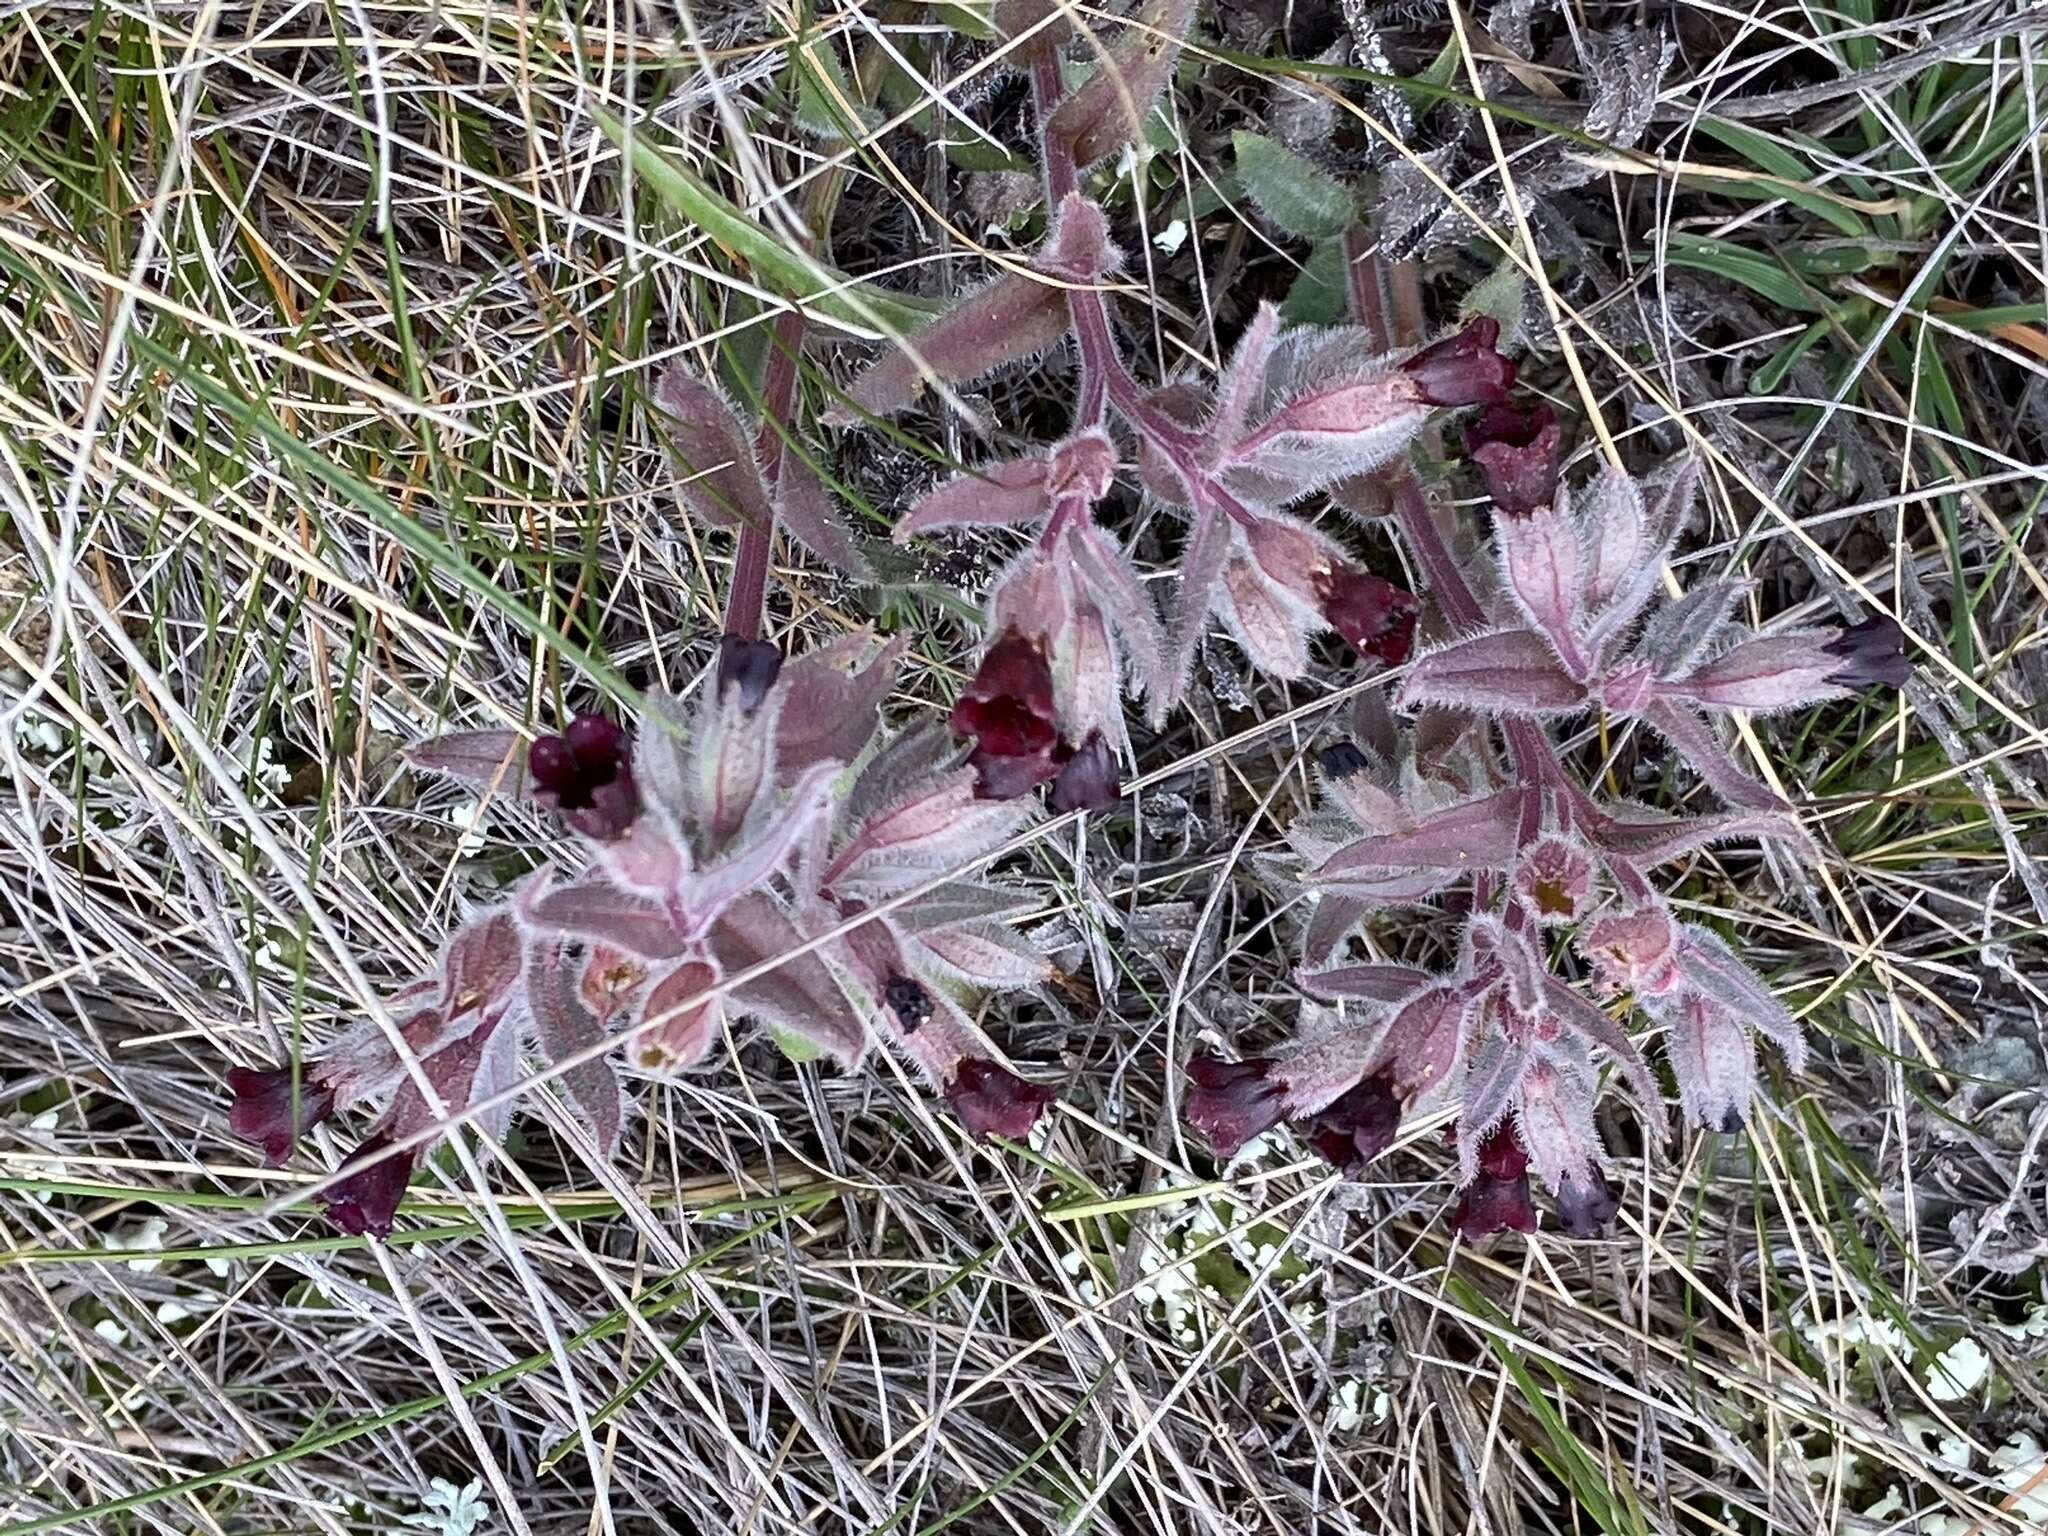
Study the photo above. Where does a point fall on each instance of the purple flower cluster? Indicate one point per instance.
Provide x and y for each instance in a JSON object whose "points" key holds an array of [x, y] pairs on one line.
{"points": [[1502, 1037], [770, 853], [694, 824]]}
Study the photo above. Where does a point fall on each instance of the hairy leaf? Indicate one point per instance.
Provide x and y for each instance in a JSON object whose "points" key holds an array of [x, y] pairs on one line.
{"points": [[563, 1028], [482, 963], [1766, 673], [1014, 317], [831, 702], [1680, 632], [493, 760], [1480, 834], [1110, 110], [1540, 567], [722, 485], [1493, 1076], [1004, 494], [1506, 671], [813, 519], [1201, 570], [797, 993], [1711, 966], [1299, 196], [597, 909], [766, 850], [1364, 983], [1273, 631], [1103, 568], [1576, 1013], [986, 955]]}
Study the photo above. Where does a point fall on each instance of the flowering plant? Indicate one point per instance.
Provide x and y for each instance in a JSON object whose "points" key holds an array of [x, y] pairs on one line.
{"points": [[772, 852]]}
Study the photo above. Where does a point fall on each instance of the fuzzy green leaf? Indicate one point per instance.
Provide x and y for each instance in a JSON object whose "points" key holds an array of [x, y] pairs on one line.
{"points": [[1302, 198]]}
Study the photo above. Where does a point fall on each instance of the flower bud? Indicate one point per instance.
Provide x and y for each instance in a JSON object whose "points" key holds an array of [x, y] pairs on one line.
{"points": [[364, 1201], [1517, 452], [1375, 617], [1357, 1126], [1343, 759], [1463, 368], [1871, 653], [909, 1001], [1498, 1199], [991, 1100], [751, 666], [274, 1108], [1586, 1203], [1008, 710], [1232, 1101], [586, 774], [1088, 780]]}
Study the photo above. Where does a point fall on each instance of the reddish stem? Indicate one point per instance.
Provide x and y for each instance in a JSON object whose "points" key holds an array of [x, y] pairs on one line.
{"points": [[1535, 758], [1061, 175], [1063, 180], [749, 593], [1366, 287]]}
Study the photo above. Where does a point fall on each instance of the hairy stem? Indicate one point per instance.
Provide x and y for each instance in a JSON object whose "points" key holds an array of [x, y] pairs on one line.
{"points": [[1047, 89], [1062, 180], [743, 604], [1535, 758]]}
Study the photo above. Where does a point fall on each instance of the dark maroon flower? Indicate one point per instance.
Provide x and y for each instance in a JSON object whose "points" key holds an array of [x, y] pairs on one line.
{"points": [[992, 1100], [1008, 710], [1232, 1101], [1498, 1199], [274, 1109], [911, 1004], [748, 665], [1358, 1126], [365, 1201], [1873, 652], [586, 773], [1586, 1207], [1375, 617], [1088, 779], [1517, 451], [1463, 369]]}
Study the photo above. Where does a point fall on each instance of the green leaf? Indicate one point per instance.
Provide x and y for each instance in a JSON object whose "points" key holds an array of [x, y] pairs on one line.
{"points": [[795, 1047], [774, 264], [970, 18], [1755, 272], [1498, 296], [1772, 374], [1831, 260], [1317, 296], [1792, 176], [821, 88], [1302, 198]]}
